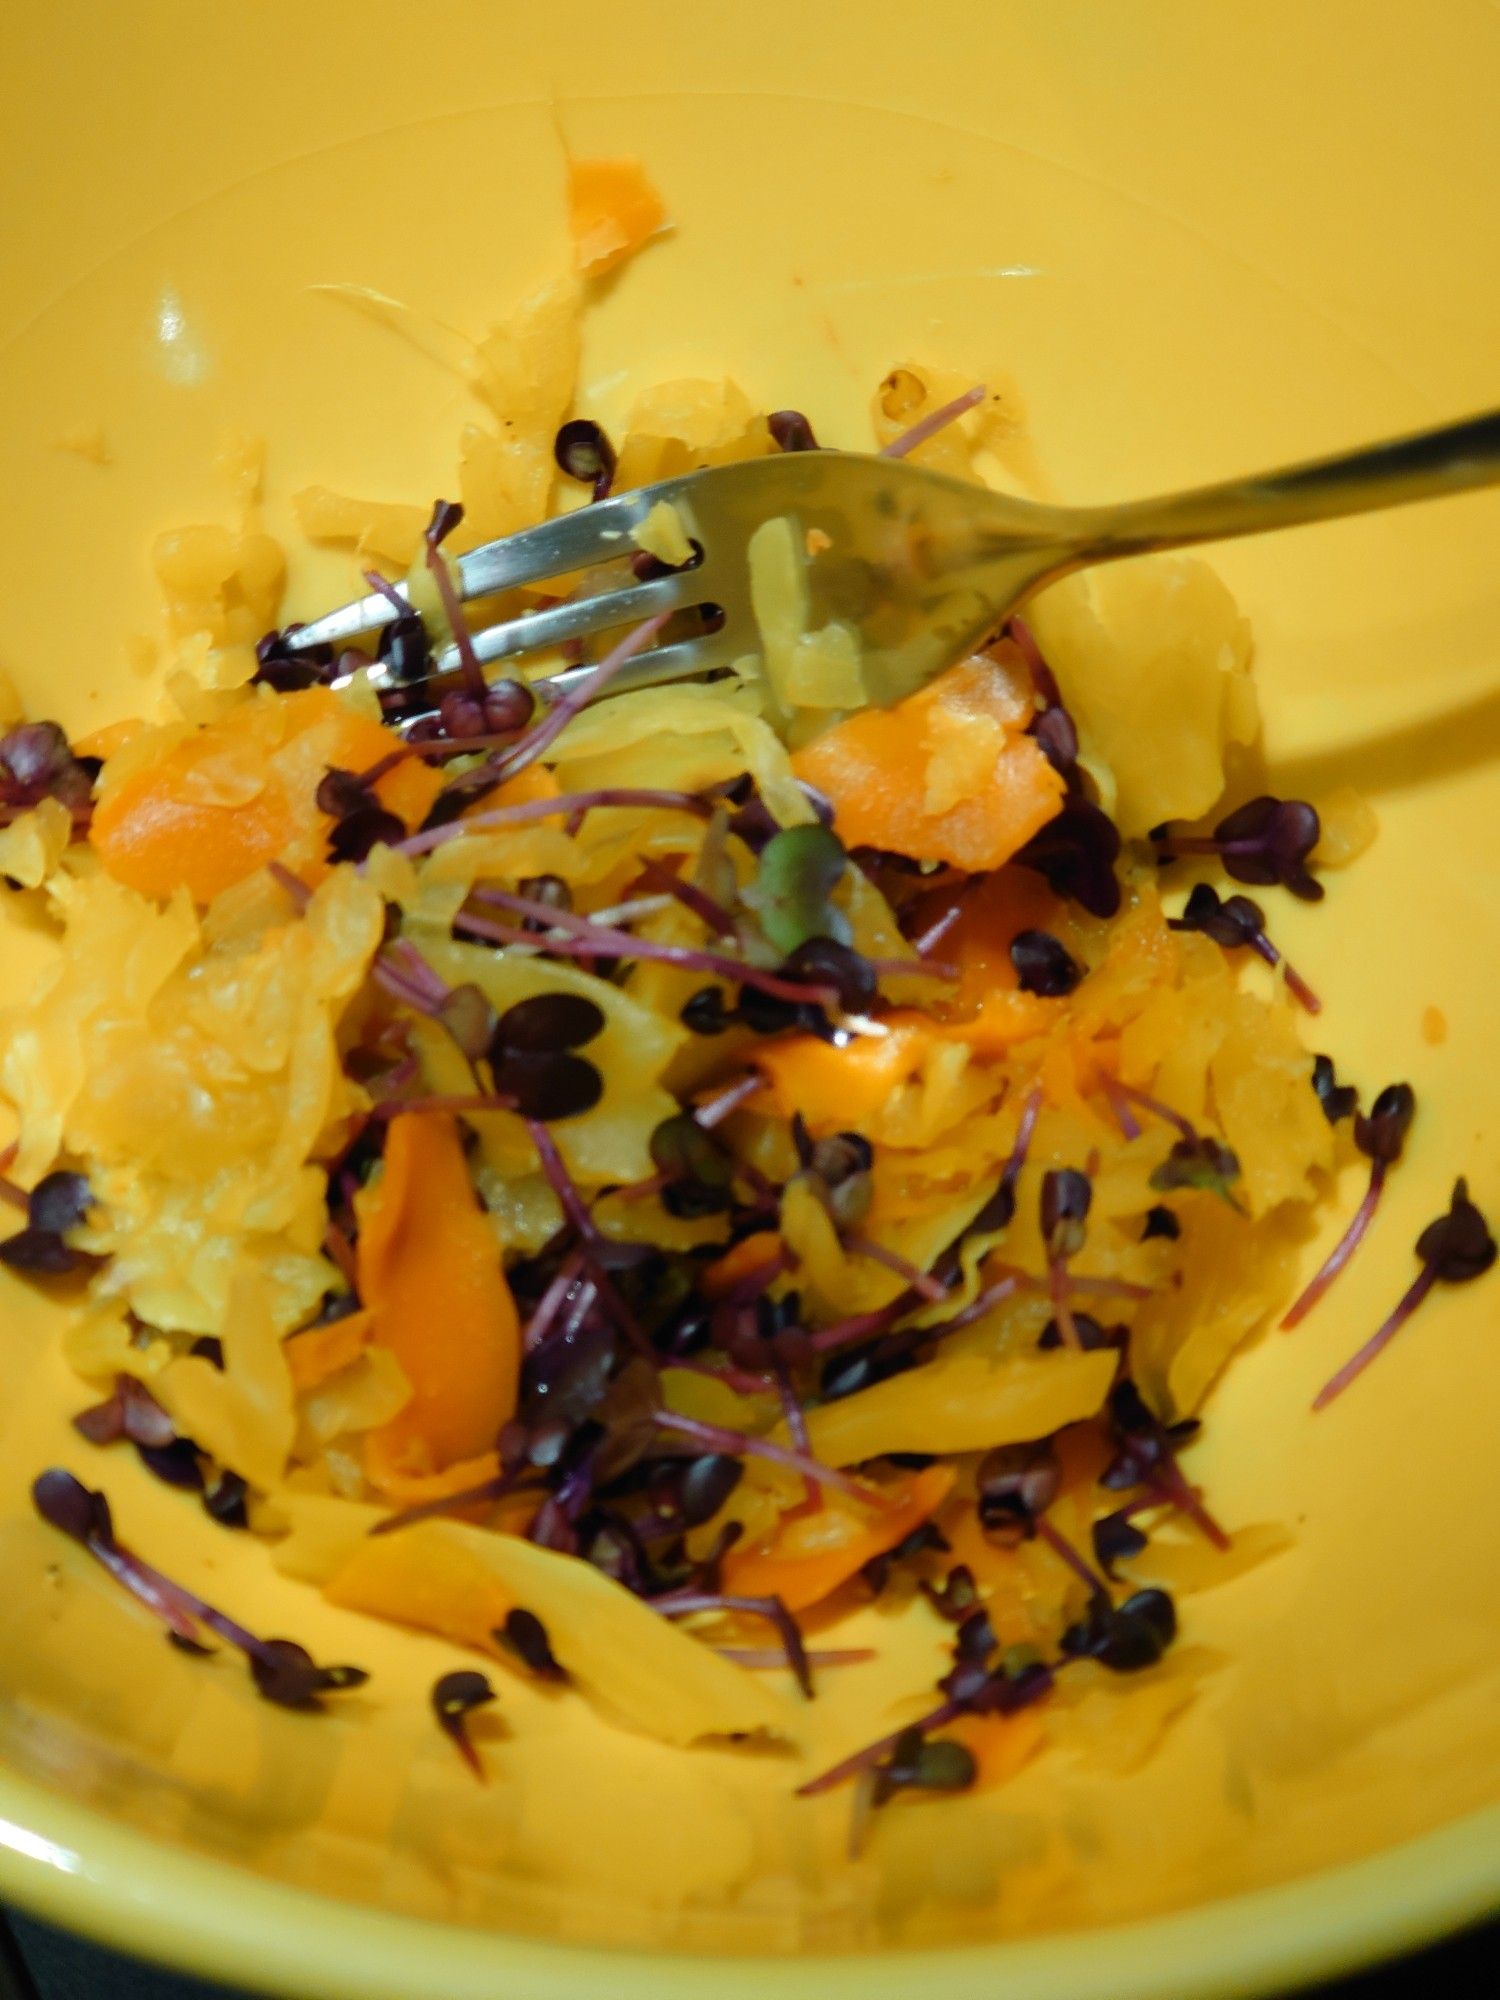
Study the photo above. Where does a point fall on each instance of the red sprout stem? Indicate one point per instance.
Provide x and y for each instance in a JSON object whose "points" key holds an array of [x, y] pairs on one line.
{"points": [[982, 1302], [552, 1301], [416, 969], [575, 1208], [930, 1288], [1155, 1106], [339, 1250], [739, 1444], [1030, 1112], [458, 624], [585, 939], [1170, 1483], [934, 934], [447, 1503], [391, 981], [658, 876], [1297, 986], [933, 422], [1341, 1252], [1381, 1338], [564, 806], [863, 1326], [714, 1110], [745, 1290], [1057, 1286], [383, 766], [16, 1196], [864, 1760], [684, 1603], [817, 1656], [544, 733], [285, 880], [1064, 1550], [914, 968], [1119, 1104], [383, 587]]}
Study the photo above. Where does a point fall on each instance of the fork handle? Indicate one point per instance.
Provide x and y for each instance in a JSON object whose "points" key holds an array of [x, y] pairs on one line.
{"points": [[1451, 459]]}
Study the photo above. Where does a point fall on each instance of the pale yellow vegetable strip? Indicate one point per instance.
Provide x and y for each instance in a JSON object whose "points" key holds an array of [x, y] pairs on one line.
{"points": [[447, 1577], [963, 1402]]}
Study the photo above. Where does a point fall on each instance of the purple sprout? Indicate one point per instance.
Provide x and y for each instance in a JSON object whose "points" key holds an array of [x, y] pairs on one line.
{"points": [[1380, 1137]]}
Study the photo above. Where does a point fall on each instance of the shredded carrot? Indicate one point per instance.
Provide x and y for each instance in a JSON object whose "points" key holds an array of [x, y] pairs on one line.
{"points": [[816, 1548], [430, 1272], [612, 210], [164, 824], [946, 775], [322, 1351]]}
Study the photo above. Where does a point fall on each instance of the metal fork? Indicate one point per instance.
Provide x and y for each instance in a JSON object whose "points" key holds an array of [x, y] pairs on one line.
{"points": [[923, 567]]}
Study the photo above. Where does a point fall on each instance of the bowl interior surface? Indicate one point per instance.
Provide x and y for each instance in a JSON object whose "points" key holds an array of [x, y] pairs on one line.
{"points": [[1193, 246]]}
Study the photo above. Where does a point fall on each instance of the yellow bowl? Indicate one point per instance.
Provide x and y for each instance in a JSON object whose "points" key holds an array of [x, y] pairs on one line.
{"points": [[1198, 239]]}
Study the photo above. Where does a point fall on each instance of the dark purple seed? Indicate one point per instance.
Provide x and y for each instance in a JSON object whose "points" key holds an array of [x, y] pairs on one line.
{"points": [[461, 715], [1066, 1199], [405, 648], [706, 1484], [550, 1085], [39, 1253], [176, 1464], [526, 1636], [340, 793], [584, 453], [1044, 966], [1161, 1221], [705, 1014], [1382, 1134], [1200, 1162], [1057, 739], [208, 1347], [77, 1510], [508, 705], [287, 1674], [225, 1501], [548, 1022], [823, 961], [1075, 853], [1116, 1538], [446, 515], [1338, 1100], [681, 1147], [1458, 1245], [791, 431], [1092, 1337], [59, 1202], [354, 837], [1017, 1482], [35, 754]]}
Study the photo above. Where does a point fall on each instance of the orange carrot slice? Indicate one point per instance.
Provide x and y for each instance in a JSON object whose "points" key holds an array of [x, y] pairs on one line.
{"points": [[946, 775], [815, 1549], [612, 210], [164, 825], [429, 1270]]}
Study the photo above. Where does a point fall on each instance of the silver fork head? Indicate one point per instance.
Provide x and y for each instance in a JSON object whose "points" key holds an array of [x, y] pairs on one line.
{"points": [[918, 566]]}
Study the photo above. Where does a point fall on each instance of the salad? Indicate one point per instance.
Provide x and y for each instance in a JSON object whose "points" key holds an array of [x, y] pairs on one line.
{"points": [[612, 1184]]}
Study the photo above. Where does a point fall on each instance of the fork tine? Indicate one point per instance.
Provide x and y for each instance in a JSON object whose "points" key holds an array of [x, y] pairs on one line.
{"points": [[591, 534], [579, 616]]}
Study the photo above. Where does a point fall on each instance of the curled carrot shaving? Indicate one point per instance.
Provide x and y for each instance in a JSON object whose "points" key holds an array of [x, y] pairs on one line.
{"points": [[430, 1273], [815, 1549], [612, 210], [946, 775]]}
